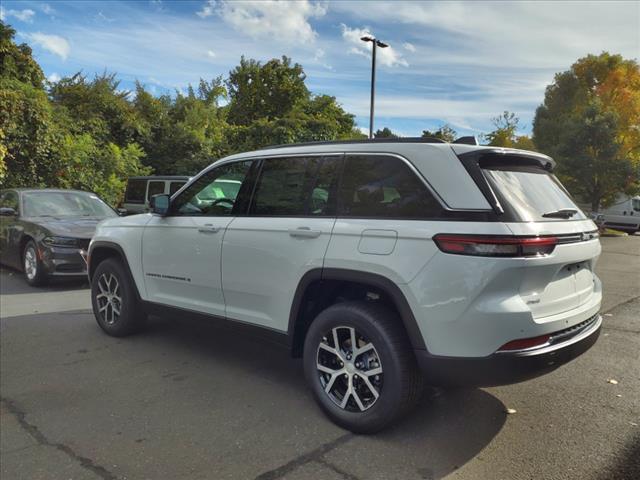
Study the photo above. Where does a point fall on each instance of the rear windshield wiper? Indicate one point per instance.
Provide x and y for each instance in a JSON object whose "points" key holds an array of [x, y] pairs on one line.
{"points": [[562, 213]]}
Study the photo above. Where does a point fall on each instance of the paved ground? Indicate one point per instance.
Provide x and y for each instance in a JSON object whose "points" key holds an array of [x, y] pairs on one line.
{"points": [[186, 400]]}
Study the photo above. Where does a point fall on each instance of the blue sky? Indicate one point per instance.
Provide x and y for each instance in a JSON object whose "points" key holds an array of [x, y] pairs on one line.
{"points": [[456, 62]]}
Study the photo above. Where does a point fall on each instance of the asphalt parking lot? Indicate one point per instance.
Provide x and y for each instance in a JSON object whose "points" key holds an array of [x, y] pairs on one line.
{"points": [[186, 400]]}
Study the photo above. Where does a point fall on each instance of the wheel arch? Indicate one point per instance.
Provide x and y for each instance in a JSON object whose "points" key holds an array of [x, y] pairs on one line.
{"points": [[319, 288], [101, 251]]}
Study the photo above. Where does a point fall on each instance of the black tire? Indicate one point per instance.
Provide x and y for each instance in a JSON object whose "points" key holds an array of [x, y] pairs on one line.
{"points": [[131, 318], [401, 381], [40, 277]]}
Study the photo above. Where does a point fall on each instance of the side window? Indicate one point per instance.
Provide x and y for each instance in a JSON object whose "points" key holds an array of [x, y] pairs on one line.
{"points": [[135, 191], [155, 187], [295, 186], [385, 187], [213, 194], [175, 186], [9, 200]]}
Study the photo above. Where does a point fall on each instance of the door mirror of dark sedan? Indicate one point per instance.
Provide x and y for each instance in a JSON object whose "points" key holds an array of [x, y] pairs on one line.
{"points": [[8, 212], [160, 204], [122, 212]]}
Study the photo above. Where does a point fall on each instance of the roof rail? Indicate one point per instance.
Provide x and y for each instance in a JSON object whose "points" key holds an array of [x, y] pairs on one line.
{"points": [[369, 140]]}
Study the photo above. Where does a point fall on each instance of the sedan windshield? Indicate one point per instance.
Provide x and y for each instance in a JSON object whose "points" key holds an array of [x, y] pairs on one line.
{"points": [[65, 204]]}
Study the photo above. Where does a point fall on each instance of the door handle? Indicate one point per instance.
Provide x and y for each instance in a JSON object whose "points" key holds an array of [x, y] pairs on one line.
{"points": [[208, 229], [304, 232]]}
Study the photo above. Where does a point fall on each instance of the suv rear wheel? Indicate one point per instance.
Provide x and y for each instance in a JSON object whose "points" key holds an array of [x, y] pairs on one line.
{"points": [[114, 300], [360, 366]]}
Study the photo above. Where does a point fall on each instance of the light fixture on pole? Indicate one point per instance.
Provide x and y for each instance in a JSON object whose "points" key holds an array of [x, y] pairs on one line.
{"points": [[376, 43]]}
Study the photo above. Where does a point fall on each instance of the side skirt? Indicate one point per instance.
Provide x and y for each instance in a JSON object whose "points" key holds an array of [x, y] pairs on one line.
{"points": [[250, 330]]}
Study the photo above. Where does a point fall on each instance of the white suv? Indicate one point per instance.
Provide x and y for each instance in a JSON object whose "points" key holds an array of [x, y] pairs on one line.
{"points": [[382, 263]]}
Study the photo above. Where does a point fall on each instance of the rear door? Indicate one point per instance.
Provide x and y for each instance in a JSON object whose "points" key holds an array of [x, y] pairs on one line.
{"points": [[285, 234], [537, 204]]}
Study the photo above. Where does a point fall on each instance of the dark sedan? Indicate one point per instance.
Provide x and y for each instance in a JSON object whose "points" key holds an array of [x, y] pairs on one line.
{"points": [[42, 232]]}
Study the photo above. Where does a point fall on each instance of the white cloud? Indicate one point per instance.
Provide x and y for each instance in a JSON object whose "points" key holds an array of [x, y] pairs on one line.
{"points": [[409, 47], [25, 15], [211, 54], [54, 77], [287, 22], [208, 9], [47, 9], [52, 43], [509, 34], [388, 57]]}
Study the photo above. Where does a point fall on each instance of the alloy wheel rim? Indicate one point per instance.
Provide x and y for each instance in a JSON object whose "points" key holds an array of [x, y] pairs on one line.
{"points": [[109, 299], [30, 263], [349, 369]]}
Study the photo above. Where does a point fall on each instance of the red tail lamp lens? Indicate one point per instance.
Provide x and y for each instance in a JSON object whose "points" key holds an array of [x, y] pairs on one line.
{"points": [[494, 246], [524, 343]]}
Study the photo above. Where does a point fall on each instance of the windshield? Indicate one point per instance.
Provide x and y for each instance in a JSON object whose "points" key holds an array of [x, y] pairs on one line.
{"points": [[65, 204], [532, 193]]}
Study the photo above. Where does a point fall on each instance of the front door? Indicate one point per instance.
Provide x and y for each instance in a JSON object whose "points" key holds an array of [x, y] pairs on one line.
{"points": [[181, 251], [285, 234]]}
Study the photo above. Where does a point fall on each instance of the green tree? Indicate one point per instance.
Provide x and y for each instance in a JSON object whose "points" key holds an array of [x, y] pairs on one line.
{"points": [[268, 91], [599, 94], [27, 130], [445, 132], [505, 133], [385, 133], [592, 166]]}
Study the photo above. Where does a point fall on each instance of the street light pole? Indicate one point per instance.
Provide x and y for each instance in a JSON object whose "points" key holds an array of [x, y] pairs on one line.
{"points": [[376, 43]]}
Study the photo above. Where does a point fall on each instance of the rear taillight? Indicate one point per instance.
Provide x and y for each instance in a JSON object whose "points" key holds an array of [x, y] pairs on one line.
{"points": [[495, 246], [524, 343]]}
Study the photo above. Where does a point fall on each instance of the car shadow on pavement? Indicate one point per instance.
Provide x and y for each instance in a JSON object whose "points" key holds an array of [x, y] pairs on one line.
{"points": [[447, 429], [12, 282]]}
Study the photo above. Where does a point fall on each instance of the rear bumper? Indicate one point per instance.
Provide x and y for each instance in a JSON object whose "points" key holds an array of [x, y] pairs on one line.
{"points": [[507, 367]]}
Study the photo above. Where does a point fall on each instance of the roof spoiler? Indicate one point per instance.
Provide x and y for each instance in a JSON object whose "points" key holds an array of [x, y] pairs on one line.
{"points": [[468, 140]]}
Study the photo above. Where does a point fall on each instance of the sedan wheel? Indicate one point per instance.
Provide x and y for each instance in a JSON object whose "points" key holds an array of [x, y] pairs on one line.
{"points": [[34, 270]]}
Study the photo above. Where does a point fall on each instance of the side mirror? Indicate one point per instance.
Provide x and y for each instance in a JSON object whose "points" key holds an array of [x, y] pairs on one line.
{"points": [[122, 212], [8, 212], [160, 204]]}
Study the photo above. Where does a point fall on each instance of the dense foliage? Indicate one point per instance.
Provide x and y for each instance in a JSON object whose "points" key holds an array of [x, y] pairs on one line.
{"points": [[590, 123], [90, 134]]}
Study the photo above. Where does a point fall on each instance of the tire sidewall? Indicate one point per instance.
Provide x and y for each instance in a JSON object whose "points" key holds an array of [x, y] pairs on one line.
{"points": [[387, 405], [127, 322], [40, 277]]}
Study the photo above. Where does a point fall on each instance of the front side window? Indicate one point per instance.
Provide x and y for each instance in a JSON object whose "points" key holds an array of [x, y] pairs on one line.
{"points": [[384, 187], [635, 203], [65, 204], [295, 186], [155, 187], [9, 200], [214, 193], [135, 191]]}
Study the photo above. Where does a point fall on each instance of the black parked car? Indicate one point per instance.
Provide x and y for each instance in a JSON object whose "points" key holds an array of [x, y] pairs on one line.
{"points": [[42, 232]]}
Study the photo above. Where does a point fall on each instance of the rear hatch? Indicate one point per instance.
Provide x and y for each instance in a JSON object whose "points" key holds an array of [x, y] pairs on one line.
{"points": [[531, 201]]}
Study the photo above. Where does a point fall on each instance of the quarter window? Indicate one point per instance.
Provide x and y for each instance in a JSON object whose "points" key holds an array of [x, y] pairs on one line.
{"points": [[385, 187], [295, 186], [214, 193]]}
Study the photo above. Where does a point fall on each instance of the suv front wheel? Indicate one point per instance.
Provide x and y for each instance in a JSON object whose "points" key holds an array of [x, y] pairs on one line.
{"points": [[114, 301], [360, 366]]}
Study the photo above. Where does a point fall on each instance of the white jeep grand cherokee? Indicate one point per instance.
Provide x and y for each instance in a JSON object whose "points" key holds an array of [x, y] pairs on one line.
{"points": [[382, 263]]}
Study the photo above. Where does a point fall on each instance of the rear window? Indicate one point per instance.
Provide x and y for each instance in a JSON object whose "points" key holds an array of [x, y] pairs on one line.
{"points": [[155, 188], [531, 192], [135, 191]]}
